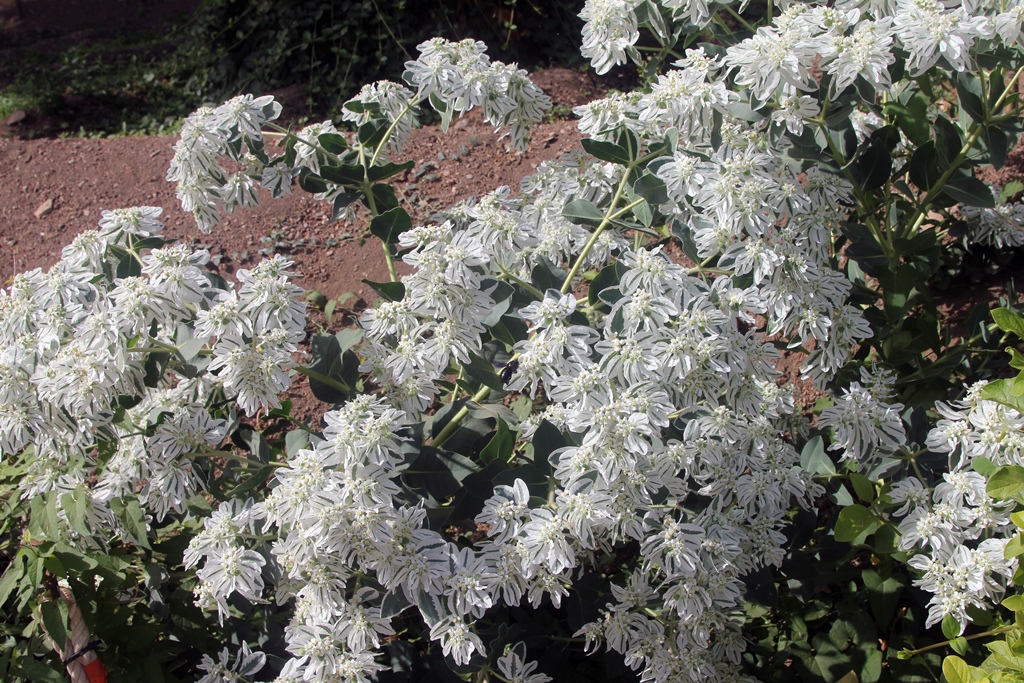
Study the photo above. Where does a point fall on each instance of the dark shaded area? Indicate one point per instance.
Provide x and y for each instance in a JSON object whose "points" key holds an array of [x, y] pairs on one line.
{"points": [[137, 66]]}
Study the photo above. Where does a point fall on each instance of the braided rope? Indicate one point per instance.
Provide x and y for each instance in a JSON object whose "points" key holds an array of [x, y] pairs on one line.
{"points": [[78, 653]]}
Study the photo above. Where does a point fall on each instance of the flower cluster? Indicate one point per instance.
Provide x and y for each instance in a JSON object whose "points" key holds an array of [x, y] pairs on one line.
{"points": [[232, 130], [959, 531], [83, 341]]}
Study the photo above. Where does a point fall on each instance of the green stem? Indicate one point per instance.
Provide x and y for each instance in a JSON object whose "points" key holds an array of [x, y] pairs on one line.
{"points": [[609, 217], [329, 381], [453, 424], [391, 129], [735, 15], [907, 654], [288, 134], [972, 136], [228, 455], [522, 283]]}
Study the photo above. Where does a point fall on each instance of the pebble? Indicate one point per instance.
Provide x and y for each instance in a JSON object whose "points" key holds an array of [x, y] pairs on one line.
{"points": [[43, 209]]}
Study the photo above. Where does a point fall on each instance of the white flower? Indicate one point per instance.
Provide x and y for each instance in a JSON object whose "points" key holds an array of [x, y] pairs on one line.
{"points": [[609, 32], [514, 667], [248, 663], [457, 640]]}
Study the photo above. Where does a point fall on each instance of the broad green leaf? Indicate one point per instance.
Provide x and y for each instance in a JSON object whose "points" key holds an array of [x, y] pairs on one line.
{"points": [[390, 224], [1007, 482], [55, 618], [998, 145], [583, 212], [864, 487], [311, 182], [1002, 391], [874, 166], [130, 513], [1009, 321], [384, 199], [330, 383], [959, 645], [956, 670], [606, 151], [950, 626], [608, 277], [382, 171], [968, 89], [389, 291], [853, 521], [335, 143], [1018, 518], [343, 174], [1014, 603], [1014, 547], [501, 445], [883, 596], [849, 678], [815, 460], [483, 372], [969, 191], [652, 188]]}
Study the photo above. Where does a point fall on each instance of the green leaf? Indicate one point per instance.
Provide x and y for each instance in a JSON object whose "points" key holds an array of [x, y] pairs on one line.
{"points": [[483, 372], [925, 166], [968, 89], [956, 670], [383, 198], [37, 672], [815, 460], [643, 213], [1014, 547], [501, 445], [608, 277], [391, 291], [854, 521], [1008, 321], [390, 224], [950, 626], [55, 618], [329, 360], [335, 143], [628, 140], [883, 596], [382, 171], [969, 191], [959, 645], [343, 174], [311, 182], [998, 145], [130, 513], [372, 132], [583, 212], [873, 167], [864, 487], [606, 151], [1007, 482], [1001, 391], [1014, 603], [439, 473], [652, 188], [1011, 190], [11, 577]]}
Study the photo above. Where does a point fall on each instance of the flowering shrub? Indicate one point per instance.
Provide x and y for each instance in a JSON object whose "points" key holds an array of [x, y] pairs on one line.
{"points": [[566, 431]]}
